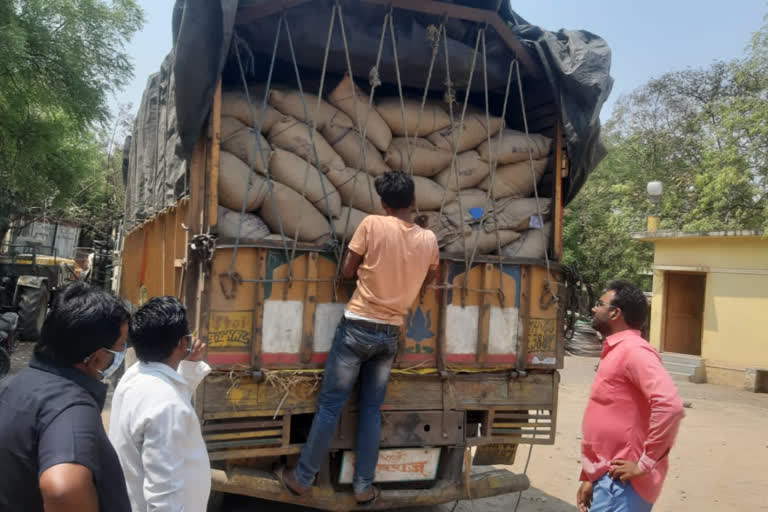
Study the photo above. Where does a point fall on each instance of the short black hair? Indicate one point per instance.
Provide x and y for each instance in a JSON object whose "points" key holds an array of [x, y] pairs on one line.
{"points": [[632, 302], [82, 320], [157, 327], [396, 189]]}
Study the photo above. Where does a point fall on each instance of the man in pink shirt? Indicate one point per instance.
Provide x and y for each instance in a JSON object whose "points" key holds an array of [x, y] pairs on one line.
{"points": [[633, 412]]}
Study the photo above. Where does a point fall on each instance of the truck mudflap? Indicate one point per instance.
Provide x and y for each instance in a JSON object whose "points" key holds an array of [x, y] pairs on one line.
{"points": [[264, 485]]}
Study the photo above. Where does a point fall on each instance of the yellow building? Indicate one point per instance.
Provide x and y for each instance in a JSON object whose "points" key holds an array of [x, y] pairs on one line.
{"points": [[709, 315]]}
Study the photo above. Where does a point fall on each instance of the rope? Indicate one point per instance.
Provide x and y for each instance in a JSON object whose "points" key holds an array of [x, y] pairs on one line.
{"points": [[362, 127], [492, 164], [454, 143], [310, 131], [264, 159], [555, 298]]}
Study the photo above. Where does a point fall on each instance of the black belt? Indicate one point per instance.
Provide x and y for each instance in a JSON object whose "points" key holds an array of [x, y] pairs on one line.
{"points": [[375, 327]]}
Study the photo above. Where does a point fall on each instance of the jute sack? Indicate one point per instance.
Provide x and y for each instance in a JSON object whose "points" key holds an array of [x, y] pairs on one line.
{"points": [[514, 147], [432, 119], [518, 214], [425, 158], [474, 131], [243, 141], [531, 244], [293, 135], [235, 104], [356, 189], [470, 169], [355, 218], [233, 184], [515, 180], [346, 142], [289, 103], [293, 170], [295, 213], [471, 199], [253, 228], [445, 231], [350, 99], [430, 195], [484, 241]]}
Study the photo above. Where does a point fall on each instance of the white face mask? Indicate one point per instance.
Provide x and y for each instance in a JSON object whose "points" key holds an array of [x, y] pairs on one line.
{"points": [[117, 362]]}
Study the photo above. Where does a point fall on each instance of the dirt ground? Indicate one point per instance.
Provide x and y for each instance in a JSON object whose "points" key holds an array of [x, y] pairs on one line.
{"points": [[719, 462]]}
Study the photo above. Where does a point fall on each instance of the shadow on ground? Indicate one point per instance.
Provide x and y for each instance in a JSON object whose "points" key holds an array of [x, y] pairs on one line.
{"points": [[532, 500]]}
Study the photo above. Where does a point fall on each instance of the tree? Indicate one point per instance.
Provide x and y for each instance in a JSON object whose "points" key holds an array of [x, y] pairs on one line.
{"points": [[60, 60], [704, 134]]}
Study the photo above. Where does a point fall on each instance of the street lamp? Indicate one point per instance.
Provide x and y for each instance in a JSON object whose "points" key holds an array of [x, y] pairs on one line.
{"points": [[655, 190]]}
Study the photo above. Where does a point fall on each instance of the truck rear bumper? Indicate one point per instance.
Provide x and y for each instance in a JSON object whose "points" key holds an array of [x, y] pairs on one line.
{"points": [[261, 484]]}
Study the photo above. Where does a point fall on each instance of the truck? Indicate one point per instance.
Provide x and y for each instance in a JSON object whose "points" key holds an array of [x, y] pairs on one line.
{"points": [[476, 374], [37, 258]]}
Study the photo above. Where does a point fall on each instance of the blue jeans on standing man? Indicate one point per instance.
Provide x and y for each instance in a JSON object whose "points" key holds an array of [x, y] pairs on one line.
{"points": [[357, 350], [610, 495]]}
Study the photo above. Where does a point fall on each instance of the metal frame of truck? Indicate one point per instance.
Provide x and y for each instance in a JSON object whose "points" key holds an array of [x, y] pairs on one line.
{"points": [[255, 412]]}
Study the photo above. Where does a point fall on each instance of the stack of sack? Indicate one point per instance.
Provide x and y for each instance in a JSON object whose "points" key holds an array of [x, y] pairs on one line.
{"points": [[304, 170]]}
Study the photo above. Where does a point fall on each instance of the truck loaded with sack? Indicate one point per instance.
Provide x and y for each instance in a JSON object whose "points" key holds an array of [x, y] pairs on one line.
{"points": [[252, 162]]}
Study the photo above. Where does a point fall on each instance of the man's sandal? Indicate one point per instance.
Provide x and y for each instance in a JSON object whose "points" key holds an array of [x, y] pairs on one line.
{"points": [[286, 477], [368, 497]]}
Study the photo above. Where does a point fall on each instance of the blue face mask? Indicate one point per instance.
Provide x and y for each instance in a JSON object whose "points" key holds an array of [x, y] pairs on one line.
{"points": [[117, 362]]}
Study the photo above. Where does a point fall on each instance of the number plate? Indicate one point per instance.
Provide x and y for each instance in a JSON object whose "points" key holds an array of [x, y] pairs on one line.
{"points": [[400, 465]]}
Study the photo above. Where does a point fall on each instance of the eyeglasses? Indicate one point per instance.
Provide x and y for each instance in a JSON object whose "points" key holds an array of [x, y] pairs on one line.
{"points": [[600, 303]]}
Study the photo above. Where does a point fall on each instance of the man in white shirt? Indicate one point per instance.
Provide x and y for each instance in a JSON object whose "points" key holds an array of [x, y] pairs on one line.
{"points": [[153, 426]]}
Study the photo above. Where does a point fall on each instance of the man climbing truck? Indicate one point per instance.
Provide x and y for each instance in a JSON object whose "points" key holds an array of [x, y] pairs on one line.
{"points": [[263, 135]]}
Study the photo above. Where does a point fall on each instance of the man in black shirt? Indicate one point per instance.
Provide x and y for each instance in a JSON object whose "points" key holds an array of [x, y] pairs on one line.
{"points": [[54, 453]]}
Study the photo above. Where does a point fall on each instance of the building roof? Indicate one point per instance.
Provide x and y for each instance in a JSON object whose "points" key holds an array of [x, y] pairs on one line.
{"points": [[652, 236]]}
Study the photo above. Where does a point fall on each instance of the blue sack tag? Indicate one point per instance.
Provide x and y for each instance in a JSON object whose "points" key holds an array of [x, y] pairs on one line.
{"points": [[476, 213]]}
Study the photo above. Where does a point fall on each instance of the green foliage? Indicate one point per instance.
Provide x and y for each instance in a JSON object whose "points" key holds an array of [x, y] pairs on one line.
{"points": [[60, 60], [704, 134]]}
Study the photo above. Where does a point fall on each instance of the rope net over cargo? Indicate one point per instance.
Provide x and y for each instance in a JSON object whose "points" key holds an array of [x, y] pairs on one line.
{"points": [[300, 167]]}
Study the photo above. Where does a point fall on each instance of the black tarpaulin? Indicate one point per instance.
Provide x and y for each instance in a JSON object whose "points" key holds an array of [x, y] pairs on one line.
{"points": [[570, 68]]}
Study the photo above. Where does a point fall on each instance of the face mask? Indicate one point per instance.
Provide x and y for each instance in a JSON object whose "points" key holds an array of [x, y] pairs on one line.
{"points": [[117, 362]]}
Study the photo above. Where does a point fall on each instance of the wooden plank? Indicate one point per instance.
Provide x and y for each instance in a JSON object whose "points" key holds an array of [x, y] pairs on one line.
{"points": [[522, 424], [213, 176], [484, 315], [215, 445], [500, 416], [219, 415], [258, 316], [518, 432], [287, 429], [243, 435], [558, 217], [215, 427], [257, 452], [310, 306], [525, 313], [487, 429]]}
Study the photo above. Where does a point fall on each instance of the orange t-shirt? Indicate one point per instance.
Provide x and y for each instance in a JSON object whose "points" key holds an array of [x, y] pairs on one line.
{"points": [[396, 258]]}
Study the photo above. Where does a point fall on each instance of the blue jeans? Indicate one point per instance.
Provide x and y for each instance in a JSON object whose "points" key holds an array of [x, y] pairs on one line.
{"points": [[356, 351], [610, 495]]}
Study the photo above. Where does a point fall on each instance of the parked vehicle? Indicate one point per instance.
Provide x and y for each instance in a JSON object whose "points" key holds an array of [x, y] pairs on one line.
{"points": [[476, 373], [8, 323]]}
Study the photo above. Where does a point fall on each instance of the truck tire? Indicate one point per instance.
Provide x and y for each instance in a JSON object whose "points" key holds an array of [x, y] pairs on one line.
{"points": [[32, 307], [5, 362]]}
